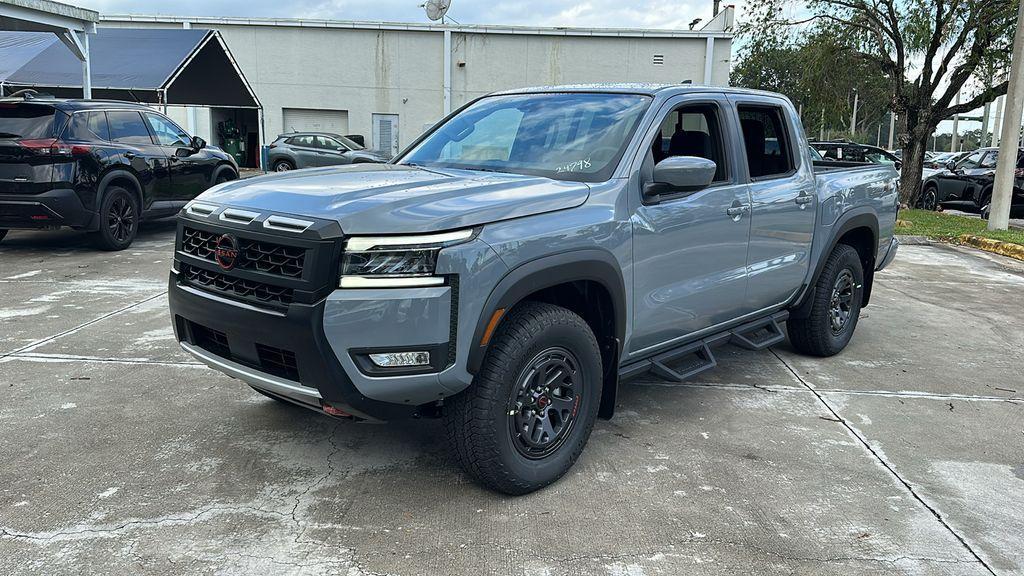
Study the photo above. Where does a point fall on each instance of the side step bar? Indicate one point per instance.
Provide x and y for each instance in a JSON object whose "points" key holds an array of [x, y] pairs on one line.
{"points": [[688, 360]]}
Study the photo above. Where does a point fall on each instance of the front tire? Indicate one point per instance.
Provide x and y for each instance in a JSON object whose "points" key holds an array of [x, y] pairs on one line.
{"points": [[528, 414], [119, 220], [835, 306], [929, 199]]}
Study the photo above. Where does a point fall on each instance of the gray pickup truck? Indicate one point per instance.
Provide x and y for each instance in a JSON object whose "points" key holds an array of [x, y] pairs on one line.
{"points": [[526, 255]]}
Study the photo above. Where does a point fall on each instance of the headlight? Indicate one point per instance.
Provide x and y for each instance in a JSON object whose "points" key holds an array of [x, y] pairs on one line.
{"points": [[396, 261]]}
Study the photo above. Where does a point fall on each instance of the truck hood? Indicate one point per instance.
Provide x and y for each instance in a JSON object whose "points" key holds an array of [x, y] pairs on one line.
{"points": [[394, 199]]}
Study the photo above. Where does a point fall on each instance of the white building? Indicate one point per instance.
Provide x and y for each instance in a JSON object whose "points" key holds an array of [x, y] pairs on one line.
{"points": [[388, 81]]}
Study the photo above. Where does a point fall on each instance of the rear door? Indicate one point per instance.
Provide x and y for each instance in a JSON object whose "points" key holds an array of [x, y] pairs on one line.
{"points": [[147, 159], [306, 153], [782, 190], [27, 131], [690, 249]]}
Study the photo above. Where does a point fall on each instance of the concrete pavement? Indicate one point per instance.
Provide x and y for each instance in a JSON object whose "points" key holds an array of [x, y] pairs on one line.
{"points": [[121, 455]]}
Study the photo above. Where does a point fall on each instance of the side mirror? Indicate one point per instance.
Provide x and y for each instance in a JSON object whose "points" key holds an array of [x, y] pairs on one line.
{"points": [[198, 143], [680, 174], [951, 166], [897, 165]]}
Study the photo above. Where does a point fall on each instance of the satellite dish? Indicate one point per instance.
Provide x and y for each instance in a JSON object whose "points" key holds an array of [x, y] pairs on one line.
{"points": [[436, 9]]}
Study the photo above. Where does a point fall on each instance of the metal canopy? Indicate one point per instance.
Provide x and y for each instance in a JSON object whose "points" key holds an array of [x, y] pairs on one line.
{"points": [[70, 24], [155, 66]]}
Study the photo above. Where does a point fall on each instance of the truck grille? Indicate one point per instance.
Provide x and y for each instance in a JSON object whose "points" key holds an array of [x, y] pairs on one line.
{"points": [[237, 287], [259, 256]]}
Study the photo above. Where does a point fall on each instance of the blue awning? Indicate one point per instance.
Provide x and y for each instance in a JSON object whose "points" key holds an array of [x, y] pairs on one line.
{"points": [[151, 65]]}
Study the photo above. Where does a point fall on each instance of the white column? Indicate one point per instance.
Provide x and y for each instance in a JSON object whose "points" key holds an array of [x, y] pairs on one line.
{"points": [[709, 60], [999, 214], [86, 67], [447, 72], [892, 129], [997, 124], [954, 142]]}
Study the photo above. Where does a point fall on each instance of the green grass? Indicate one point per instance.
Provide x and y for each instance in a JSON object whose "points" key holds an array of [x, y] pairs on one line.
{"points": [[947, 227]]}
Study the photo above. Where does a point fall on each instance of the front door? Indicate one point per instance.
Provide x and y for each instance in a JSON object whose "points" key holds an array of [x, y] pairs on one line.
{"points": [[690, 249], [191, 170], [782, 188]]}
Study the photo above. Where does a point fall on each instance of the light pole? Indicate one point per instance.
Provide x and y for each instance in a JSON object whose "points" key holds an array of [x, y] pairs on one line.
{"points": [[1009, 144], [853, 118]]}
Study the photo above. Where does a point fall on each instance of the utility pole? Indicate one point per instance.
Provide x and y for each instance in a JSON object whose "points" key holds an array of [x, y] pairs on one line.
{"points": [[984, 124], [853, 118], [999, 212], [892, 129], [878, 141], [954, 144]]}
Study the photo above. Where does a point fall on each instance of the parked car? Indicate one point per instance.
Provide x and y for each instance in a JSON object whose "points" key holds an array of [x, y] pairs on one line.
{"points": [[941, 161], [967, 184], [523, 257], [310, 149], [96, 165], [853, 152]]}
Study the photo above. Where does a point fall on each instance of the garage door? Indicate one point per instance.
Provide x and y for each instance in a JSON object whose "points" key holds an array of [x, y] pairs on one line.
{"points": [[313, 120]]}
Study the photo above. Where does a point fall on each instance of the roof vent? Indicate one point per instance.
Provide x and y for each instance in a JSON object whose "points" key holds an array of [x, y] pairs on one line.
{"points": [[659, 60]]}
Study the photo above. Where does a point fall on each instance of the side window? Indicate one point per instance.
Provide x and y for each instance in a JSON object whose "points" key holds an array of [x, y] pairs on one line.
{"points": [[991, 159], [492, 138], [88, 127], [766, 141], [692, 131], [127, 127], [166, 132], [329, 144], [304, 141], [971, 161]]}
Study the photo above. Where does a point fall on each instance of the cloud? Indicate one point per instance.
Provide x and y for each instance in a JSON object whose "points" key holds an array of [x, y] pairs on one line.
{"points": [[572, 13]]}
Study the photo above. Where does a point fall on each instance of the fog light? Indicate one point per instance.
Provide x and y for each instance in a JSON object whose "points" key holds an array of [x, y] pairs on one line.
{"points": [[397, 359]]}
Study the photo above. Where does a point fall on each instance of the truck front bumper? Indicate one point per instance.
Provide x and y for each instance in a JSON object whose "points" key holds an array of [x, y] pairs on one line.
{"points": [[312, 354]]}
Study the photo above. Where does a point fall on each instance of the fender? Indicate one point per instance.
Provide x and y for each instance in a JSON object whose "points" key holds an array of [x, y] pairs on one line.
{"points": [[585, 264], [857, 218], [101, 189], [219, 170]]}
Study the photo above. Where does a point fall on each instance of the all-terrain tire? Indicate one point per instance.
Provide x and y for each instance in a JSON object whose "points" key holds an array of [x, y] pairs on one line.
{"points": [[481, 422], [119, 219], [818, 333]]}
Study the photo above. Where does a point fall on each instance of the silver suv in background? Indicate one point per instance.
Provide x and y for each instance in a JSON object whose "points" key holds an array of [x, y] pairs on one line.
{"points": [[311, 149]]}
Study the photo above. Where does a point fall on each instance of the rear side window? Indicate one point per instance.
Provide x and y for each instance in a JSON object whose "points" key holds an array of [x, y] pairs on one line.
{"points": [[29, 121], [306, 141], [127, 127], [766, 141], [88, 127]]}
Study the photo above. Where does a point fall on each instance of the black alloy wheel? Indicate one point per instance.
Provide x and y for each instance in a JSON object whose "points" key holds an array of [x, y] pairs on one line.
{"points": [[544, 403]]}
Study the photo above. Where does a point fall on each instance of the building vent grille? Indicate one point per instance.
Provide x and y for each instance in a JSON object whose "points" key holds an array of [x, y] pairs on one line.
{"points": [[659, 59]]}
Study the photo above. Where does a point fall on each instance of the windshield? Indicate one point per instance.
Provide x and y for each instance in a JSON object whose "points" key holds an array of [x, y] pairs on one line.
{"points": [[563, 136], [26, 121]]}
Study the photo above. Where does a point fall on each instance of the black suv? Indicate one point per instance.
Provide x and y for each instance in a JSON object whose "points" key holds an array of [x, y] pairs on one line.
{"points": [[101, 166]]}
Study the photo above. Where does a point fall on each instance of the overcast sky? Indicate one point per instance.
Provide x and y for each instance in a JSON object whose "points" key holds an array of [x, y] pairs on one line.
{"points": [[585, 13]]}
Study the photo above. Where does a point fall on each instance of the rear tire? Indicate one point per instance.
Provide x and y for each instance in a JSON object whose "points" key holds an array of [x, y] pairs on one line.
{"points": [[283, 166], [835, 307], [119, 220], [528, 414]]}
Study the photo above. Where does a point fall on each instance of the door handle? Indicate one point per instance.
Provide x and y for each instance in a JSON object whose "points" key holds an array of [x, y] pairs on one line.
{"points": [[737, 211], [804, 198]]}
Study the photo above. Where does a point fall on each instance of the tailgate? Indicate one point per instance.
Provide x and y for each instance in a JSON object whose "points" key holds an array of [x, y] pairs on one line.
{"points": [[26, 166], [23, 171]]}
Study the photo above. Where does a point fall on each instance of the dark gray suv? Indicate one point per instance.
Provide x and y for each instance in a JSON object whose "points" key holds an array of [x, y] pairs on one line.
{"points": [[312, 149]]}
